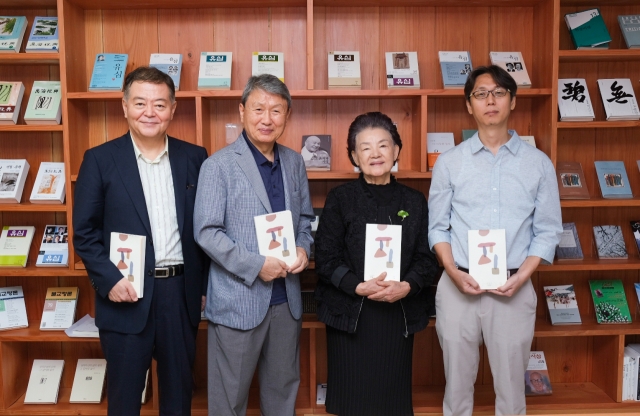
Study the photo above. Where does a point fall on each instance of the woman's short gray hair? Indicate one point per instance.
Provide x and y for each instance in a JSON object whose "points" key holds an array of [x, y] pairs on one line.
{"points": [[268, 83]]}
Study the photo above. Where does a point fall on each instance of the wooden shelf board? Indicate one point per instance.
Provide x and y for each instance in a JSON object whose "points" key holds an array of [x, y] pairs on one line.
{"points": [[32, 270], [600, 202], [30, 58], [589, 327], [591, 264], [33, 334], [17, 128], [598, 124], [29, 207], [603, 55], [28, 4]]}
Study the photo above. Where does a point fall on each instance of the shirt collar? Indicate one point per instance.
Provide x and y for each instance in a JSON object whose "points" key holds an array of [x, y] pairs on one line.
{"points": [[257, 154], [512, 145], [157, 159]]}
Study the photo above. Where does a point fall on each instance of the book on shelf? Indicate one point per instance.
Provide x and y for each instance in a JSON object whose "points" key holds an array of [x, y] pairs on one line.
{"points": [[321, 393], [170, 64], [536, 377], [438, 143], [44, 106], [569, 247], [571, 181], [402, 69], [382, 251], [11, 94], [44, 382], [13, 311], [635, 228], [13, 174], [316, 151], [630, 374], [59, 310], [456, 67], [609, 242], [84, 327], [513, 63], [618, 99], [637, 288], [587, 29], [610, 302], [574, 101], [12, 30], [314, 227], [275, 235], [636, 348], [530, 140], [468, 133], [344, 70], [268, 63], [108, 72], [630, 28], [44, 35], [613, 180], [488, 257], [215, 71], [127, 252], [88, 381], [562, 305], [15, 242], [145, 391], [50, 185], [54, 248]]}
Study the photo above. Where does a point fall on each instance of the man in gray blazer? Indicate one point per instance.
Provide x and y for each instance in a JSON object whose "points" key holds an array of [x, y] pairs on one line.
{"points": [[254, 305]]}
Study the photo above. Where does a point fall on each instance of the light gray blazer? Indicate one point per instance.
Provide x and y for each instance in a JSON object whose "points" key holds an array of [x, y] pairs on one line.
{"points": [[230, 193]]}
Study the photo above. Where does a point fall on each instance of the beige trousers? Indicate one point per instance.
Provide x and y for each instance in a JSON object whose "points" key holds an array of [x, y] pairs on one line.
{"points": [[505, 324]]}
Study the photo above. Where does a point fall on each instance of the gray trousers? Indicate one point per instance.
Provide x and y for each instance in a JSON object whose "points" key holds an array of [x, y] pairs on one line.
{"points": [[233, 354], [505, 324]]}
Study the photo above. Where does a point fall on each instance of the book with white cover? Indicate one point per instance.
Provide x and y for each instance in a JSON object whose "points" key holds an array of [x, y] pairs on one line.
{"points": [[574, 102], [438, 143], [145, 394], [11, 94], [54, 247], [59, 308], [344, 70], [13, 311], [636, 348], [618, 99], [383, 251], [84, 327], [215, 71], [44, 35], [513, 63], [15, 242], [88, 382], [276, 237], [170, 64], [631, 381], [268, 63], [50, 185], [488, 257], [456, 67], [13, 174], [44, 382], [127, 252], [12, 31], [44, 106], [529, 140], [321, 393], [402, 69], [562, 304]]}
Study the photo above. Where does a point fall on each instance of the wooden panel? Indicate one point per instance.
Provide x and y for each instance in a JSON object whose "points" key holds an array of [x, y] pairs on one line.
{"points": [[310, 117], [567, 358], [289, 35], [605, 371], [123, 30], [14, 375]]}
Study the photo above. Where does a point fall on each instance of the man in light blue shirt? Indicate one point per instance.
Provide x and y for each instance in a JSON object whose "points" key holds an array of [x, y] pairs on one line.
{"points": [[492, 181]]}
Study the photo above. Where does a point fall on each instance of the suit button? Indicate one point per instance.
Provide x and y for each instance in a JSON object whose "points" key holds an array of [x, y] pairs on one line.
{"points": [[150, 273]]}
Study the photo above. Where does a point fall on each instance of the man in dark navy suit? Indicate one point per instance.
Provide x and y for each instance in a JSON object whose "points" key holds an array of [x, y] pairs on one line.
{"points": [[144, 183]]}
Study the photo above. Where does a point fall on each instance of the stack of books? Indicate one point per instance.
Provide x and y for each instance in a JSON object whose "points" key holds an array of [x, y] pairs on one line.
{"points": [[587, 29]]}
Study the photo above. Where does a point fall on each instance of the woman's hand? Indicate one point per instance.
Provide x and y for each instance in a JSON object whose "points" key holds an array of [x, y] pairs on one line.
{"points": [[391, 291], [371, 287]]}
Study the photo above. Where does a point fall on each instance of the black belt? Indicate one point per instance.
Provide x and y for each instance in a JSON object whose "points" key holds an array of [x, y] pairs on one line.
{"points": [[169, 271], [510, 272]]}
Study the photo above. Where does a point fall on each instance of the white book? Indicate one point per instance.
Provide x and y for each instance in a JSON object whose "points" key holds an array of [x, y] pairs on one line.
{"points": [[170, 64], [143, 399], [633, 373], [636, 347], [59, 310], [488, 258], [44, 382], [321, 393], [44, 105], [513, 63], [268, 63], [11, 94], [215, 71], [13, 174], [627, 364], [383, 251], [344, 70], [54, 247], [50, 185], [529, 140], [88, 382], [13, 311], [402, 69], [619, 99], [84, 327], [276, 237], [438, 143], [455, 67], [574, 102], [127, 252], [15, 242]]}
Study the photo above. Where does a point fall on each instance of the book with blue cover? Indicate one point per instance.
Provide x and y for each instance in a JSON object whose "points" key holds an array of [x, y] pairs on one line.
{"points": [[108, 72], [54, 247], [12, 30], [215, 71], [456, 67], [587, 29], [630, 28], [170, 64], [44, 35], [613, 180]]}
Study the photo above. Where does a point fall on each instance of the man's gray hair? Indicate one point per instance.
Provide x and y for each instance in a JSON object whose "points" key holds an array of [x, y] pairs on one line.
{"points": [[268, 83]]}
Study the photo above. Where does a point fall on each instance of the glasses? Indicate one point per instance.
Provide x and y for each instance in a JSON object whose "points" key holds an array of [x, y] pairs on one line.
{"points": [[536, 380], [482, 95]]}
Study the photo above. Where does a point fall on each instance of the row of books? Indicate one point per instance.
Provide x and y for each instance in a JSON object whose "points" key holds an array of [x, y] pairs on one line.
{"points": [[618, 99], [15, 242], [631, 373], [58, 313], [43, 37], [611, 174], [49, 186], [608, 240], [43, 107], [588, 30]]}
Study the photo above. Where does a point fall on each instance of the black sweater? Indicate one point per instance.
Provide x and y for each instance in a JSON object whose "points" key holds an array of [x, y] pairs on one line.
{"points": [[340, 247]]}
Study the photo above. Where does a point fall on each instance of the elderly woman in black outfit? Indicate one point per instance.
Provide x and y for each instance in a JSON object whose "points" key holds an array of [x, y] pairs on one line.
{"points": [[370, 325]]}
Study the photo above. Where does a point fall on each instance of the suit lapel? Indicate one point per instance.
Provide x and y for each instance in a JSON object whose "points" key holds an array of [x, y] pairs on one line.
{"points": [[179, 165], [248, 165]]}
